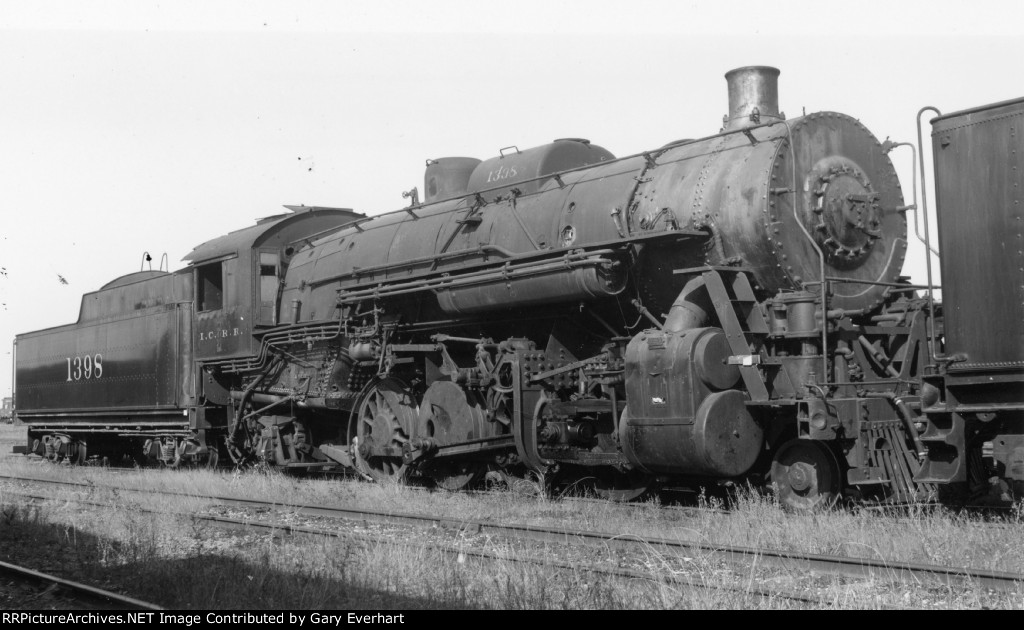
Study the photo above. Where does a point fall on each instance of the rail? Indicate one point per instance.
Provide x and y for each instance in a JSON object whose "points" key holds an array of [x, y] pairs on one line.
{"points": [[80, 592]]}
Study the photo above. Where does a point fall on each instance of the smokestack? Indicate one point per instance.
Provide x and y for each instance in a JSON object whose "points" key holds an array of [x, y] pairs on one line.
{"points": [[753, 97]]}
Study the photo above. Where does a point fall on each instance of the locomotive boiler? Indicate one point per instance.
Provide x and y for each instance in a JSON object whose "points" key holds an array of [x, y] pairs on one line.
{"points": [[713, 310]]}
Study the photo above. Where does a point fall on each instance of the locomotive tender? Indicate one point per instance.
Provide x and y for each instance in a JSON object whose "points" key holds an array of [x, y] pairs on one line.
{"points": [[714, 310]]}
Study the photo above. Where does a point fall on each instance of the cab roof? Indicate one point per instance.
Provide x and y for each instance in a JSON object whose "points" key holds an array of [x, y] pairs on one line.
{"points": [[245, 239]]}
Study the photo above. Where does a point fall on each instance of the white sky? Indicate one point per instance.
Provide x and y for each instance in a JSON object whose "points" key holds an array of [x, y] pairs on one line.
{"points": [[145, 126]]}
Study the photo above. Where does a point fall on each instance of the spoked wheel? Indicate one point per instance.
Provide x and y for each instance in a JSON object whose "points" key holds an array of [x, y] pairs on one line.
{"points": [[382, 420], [806, 476], [618, 486]]}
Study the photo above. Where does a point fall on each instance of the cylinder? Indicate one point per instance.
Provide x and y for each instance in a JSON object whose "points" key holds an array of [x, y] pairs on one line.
{"points": [[753, 96]]}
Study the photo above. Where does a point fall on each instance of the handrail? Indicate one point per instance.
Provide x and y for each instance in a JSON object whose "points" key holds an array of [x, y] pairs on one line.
{"points": [[933, 354], [877, 283], [399, 264], [913, 172]]}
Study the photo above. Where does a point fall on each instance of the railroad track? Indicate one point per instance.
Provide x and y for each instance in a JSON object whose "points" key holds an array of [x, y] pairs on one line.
{"points": [[670, 505], [682, 504], [76, 593], [462, 551], [851, 567]]}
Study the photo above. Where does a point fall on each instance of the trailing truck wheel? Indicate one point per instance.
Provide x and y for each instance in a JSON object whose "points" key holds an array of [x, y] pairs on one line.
{"points": [[806, 476], [519, 480], [622, 487], [380, 427], [456, 475]]}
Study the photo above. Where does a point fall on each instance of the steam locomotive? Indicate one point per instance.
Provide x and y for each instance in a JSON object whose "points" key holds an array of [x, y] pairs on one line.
{"points": [[716, 310]]}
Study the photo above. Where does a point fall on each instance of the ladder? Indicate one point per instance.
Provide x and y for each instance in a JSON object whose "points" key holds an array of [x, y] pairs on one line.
{"points": [[742, 320]]}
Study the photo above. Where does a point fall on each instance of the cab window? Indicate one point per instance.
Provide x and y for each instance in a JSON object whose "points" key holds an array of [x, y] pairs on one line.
{"points": [[210, 287], [269, 285]]}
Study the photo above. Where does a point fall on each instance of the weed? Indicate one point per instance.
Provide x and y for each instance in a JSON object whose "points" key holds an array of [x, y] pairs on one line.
{"points": [[8, 514]]}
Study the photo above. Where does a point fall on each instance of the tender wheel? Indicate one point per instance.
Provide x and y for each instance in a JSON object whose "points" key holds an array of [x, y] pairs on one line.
{"points": [[51, 449], [382, 420], [614, 485], [190, 452], [62, 449], [806, 476]]}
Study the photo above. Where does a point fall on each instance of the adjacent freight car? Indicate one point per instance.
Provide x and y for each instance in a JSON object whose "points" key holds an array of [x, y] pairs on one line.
{"points": [[711, 311], [975, 406]]}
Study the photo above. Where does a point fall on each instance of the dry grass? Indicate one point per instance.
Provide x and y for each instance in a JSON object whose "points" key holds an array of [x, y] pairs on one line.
{"points": [[182, 562]]}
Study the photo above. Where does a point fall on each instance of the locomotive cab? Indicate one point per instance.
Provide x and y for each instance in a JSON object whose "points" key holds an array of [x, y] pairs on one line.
{"points": [[238, 278]]}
